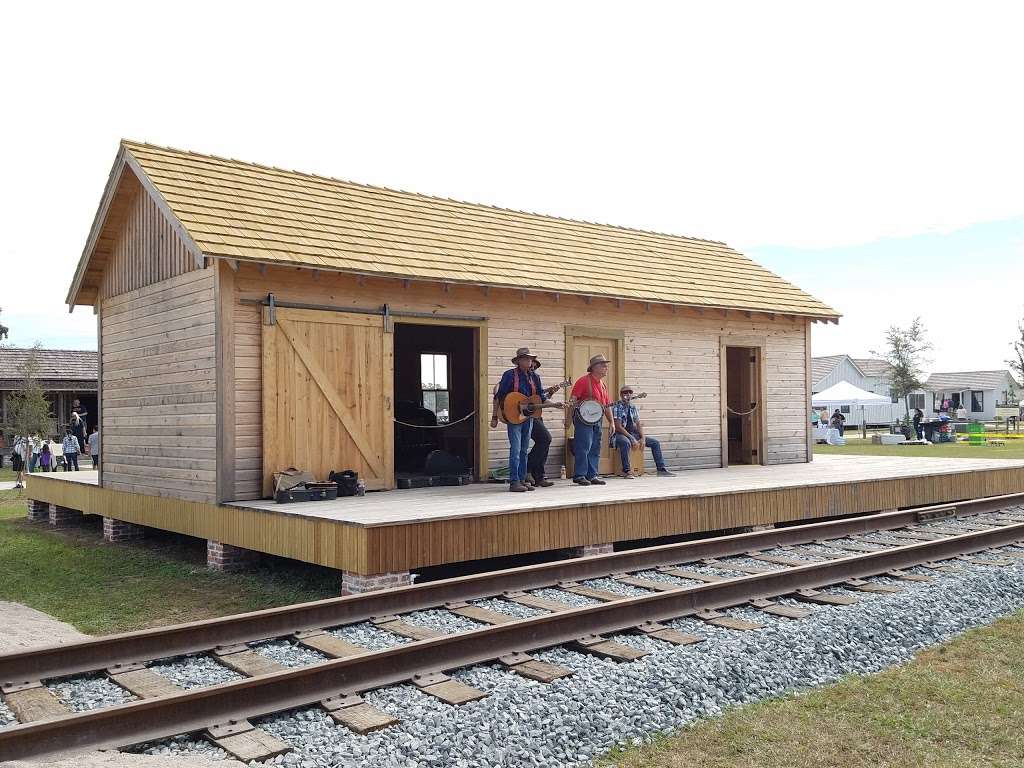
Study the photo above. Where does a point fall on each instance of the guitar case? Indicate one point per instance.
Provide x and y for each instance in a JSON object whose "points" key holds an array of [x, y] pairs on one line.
{"points": [[443, 463]]}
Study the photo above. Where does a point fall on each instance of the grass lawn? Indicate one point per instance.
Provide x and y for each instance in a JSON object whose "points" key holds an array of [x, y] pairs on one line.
{"points": [[1014, 449], [959, 705], [103, 588]]}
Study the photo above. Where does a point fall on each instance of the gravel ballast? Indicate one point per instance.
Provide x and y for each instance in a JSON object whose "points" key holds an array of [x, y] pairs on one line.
{"points": [[6, 716], [89, 692], [194, 671], [524, 723]]}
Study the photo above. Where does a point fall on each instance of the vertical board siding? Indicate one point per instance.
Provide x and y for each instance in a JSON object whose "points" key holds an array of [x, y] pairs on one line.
{"points": [[159, 388], [147, 250], [674, 357]]}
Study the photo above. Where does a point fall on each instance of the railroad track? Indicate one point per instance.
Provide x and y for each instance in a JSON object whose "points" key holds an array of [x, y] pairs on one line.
{"points": [[631, 591]]}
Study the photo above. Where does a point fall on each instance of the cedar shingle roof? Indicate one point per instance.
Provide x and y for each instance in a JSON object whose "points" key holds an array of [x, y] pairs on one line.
{"points": [[953, 382], [239, 210], [823, 366], [70, 364], [872, 366]]}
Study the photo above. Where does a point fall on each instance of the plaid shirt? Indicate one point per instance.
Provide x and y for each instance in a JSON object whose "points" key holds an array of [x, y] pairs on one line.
{"points": [[620, 411], [70, 444]]}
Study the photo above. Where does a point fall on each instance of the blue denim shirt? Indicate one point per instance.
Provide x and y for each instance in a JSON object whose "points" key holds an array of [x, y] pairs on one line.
{"points": [[619, 412], [508, 380]]}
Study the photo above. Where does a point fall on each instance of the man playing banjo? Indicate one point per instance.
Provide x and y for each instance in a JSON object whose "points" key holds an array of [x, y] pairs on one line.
{"points": [[629, 433], [593, 405]]}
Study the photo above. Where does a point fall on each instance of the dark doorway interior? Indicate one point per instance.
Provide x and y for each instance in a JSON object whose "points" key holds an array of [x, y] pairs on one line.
{"points": [[743, 400], [435, 384]]}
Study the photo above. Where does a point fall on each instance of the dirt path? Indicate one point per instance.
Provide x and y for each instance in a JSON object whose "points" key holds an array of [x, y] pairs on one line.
{"points": [[22, 628]]}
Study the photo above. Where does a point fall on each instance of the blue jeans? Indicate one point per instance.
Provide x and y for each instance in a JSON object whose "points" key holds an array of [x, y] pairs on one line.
{"points": [[586, 449], [518, 450], [70, 460], [623, 444]]}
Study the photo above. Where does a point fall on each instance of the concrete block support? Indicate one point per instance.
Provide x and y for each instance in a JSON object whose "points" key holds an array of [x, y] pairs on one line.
{"points": [[224, 557], [116, 531], [38, 511], [357, 583], [588, 550], [60, 516]]}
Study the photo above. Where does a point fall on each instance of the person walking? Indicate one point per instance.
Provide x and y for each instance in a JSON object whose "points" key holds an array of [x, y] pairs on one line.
{"points": [[523, 379], [587, 437], [918, 418], [34, 447], [79, 423], [94, 447], [70, 446]]}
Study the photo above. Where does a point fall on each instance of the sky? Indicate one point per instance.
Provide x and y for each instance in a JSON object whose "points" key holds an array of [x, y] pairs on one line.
{"points": [[869, 153]]}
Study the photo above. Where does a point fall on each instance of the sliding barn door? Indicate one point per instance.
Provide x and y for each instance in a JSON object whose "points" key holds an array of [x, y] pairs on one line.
{"points": [[328, 379]]}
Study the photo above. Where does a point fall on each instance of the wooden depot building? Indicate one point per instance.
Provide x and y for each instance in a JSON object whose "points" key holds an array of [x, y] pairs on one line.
{"points": [[254, 319]]}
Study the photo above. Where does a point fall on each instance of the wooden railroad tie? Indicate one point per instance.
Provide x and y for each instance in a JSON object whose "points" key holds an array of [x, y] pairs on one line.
{"points": [[682, 573], [354, 713], [667, 634], [606, 649], [31, 700], [535, 601], [604, 595], [140, 681], [719, 619], [328, 644], [407, 629], [785, 611], [246, 661], [824, 598], [476, 613], [790, 561], [446, 689], [867, 586], [526, 665], [246, 742], [642, 583]]}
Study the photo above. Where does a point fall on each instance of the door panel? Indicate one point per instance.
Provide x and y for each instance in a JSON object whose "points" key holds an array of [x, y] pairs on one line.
{"points": [[327, 396], [584, 348]]}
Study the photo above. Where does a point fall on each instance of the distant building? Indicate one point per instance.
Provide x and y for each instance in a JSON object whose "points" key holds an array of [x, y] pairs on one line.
{"points": [[65, 375], [867, 373], [981, 392]]}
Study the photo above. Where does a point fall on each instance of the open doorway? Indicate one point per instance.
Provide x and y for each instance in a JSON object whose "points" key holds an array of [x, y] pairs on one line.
{"points": [[743, 416], [436, 393]]}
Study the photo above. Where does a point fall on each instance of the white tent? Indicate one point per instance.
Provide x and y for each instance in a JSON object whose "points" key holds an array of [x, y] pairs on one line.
{"points": [[845, 393], [862, 407]]}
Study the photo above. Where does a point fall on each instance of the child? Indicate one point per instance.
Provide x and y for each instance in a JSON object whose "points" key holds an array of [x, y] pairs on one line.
{"points": [[45, 457], [70, 451], [94, 447]]}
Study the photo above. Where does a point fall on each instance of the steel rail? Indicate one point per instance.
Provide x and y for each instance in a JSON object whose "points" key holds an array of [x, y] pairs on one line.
{"points": [[163, 642], [162, 717]]}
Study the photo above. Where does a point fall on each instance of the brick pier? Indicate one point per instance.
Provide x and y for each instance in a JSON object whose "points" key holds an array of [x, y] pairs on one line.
{"points": [[225, 557], [588, 550], [61, 516], [357, 583], [116, 531]]}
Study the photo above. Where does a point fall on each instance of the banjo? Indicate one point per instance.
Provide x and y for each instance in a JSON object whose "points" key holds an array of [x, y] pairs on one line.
{"points": [[591, 411]]}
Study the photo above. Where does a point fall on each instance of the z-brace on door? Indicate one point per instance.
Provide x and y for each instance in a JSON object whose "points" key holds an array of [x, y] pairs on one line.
{"points": [[327, 395]]}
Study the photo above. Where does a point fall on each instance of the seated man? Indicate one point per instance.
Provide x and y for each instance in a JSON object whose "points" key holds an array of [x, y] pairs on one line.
{"points": [[629, 432]]}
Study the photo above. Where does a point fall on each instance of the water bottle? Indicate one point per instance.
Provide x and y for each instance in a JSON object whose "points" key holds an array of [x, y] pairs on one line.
{"points": [[360, 488], [561, 472]]}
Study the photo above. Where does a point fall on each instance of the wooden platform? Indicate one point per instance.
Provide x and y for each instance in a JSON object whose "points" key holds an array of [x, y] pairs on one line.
{"points": [[405, 530]]}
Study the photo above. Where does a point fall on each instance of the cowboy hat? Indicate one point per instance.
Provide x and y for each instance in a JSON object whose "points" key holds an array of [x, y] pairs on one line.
{"points": [[521, 353], [627, 388], [597, 360]]}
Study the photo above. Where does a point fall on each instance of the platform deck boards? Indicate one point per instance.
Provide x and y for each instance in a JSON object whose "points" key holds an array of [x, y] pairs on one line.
{"points": [[410, 529]]}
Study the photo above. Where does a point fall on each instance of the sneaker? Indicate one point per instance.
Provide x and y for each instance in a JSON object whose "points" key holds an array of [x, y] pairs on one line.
{"points": [[517, 487], [665, 473], [626, 475], [530, 487], [581, 481], [545, 484], [596, 481]]}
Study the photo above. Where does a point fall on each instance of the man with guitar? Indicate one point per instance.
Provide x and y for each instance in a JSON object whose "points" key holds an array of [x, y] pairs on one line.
{"points": [[589, 393], [629, 433], [524, 380]]}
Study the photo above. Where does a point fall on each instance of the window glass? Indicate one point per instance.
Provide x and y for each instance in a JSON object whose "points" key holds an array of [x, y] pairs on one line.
{"points": [[977, 401], [434, 385], [844, 409]]}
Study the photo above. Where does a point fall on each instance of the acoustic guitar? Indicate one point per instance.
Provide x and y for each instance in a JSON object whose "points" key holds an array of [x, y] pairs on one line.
{"points": [[518, 407]]}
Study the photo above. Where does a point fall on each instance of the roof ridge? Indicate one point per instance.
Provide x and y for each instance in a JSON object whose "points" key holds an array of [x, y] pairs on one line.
{"points": [[46, 349], [129, 143]]}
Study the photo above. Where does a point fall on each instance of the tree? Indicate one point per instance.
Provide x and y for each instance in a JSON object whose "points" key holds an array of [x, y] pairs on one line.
{"points": [[1017, 365], [28, 411], [905, 350]]}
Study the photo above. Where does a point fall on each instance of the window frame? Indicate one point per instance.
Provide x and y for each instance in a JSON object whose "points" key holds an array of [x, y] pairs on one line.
{"points": [[978, 398], [435, 390]]}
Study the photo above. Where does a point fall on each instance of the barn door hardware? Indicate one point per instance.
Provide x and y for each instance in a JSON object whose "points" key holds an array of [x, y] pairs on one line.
{"points": [[271, 310], [389, 323]]}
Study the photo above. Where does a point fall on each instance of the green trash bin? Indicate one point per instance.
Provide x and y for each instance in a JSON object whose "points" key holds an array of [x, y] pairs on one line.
{"points": [[976, 433]]}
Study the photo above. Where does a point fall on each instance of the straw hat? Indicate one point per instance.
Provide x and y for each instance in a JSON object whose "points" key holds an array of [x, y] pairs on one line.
{"points": [[597, 360], [627, 388], [521, 353]]}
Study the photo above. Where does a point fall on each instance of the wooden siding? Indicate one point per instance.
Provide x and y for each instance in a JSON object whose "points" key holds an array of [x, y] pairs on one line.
{"points": [[158, 388], [674, 356], [146, 250]]}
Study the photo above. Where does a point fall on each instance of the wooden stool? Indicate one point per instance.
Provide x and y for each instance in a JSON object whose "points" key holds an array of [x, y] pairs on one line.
{"points": [[636, 460]]}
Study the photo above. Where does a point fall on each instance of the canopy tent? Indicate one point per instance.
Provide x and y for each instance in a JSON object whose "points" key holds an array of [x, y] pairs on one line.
{"points": [[845, 393]]}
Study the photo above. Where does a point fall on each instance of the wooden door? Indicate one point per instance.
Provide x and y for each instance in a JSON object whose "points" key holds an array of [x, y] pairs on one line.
{"points": [[328, 379], [745, 409], [583, 348]]}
